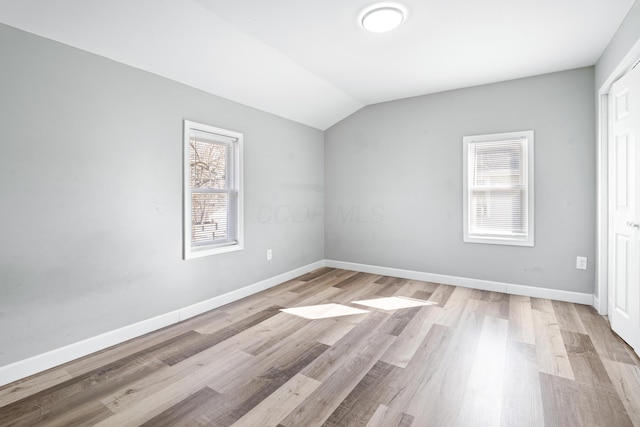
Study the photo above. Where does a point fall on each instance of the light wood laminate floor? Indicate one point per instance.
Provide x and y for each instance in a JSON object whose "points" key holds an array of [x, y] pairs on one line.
{"points": [[468, 358]]}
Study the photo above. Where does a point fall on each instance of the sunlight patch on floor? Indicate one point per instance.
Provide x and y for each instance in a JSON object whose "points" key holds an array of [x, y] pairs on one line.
{"points": [[323, 311], [394, 303]]}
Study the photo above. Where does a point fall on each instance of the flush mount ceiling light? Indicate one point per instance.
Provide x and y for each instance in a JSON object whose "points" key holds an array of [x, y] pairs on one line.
{"points": [[382, 18]]}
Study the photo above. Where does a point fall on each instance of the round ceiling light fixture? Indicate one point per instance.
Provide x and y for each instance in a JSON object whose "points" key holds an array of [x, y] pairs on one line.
{"points": [[382, 17]]}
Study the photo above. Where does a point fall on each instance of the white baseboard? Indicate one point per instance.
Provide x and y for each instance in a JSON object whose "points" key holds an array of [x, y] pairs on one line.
{"points": [[42, 362], [486, 285]]}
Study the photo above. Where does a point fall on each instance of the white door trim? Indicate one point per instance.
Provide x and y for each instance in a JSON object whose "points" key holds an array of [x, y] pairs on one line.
{"points": [[601, 299]]}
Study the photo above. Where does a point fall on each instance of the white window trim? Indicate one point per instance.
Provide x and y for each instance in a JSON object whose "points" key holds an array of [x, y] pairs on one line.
{"points": [[189, 251], [467, 175]]}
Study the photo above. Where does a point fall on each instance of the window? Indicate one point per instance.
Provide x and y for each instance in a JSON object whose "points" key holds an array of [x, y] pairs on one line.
{"points": [[212, 190], [498, 188]]}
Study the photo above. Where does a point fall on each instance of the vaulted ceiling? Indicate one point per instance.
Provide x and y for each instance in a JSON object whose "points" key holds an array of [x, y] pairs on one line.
{"points": [[311, 61]]}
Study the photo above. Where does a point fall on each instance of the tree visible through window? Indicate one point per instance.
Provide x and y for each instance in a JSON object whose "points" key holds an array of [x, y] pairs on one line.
{"points": [[212, 190]]}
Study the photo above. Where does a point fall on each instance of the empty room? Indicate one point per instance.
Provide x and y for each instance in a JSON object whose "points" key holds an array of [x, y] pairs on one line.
{"points": [[334, 213]]}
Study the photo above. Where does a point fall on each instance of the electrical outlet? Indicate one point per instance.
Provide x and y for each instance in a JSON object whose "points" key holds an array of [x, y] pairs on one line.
{"points": [[269, 254], [581, 263]]}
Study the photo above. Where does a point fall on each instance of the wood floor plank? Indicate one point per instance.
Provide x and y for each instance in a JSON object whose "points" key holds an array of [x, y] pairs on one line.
{"points": [[410, 339], [626, 380], [406, 420], [423, 295], [398, 321], [316, 274], [569, 403], [261, 337], [378, 417], [284, 299], [405, 384], [320, 295], [551, 352], [561, 402], [158, 394], [386, 280], [366, 290], [337, 328], [87, 415], [440, 405], [491, 308], [193, 343], [335, 387], [202, 342], [605, 407], [217, 361], [608, 345], [568, 318], [363, 401], [279, 404], [442, 294], [269, 332], [229, 317], [419, 285], [483, 295], [112, 354], [31, 385], [386, 417], [483, 395], [188, 409], [331, 360], [416, 289], [284, 354], [356, 280], [455, 306], [391, 287], [245, 396], [522, 399], [521, 320], [55, 402], [326, 281], [586, 365], [247, 306]]}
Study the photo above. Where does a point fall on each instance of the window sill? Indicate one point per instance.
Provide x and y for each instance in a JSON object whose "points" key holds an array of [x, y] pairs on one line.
{"points": [[191, 253]]}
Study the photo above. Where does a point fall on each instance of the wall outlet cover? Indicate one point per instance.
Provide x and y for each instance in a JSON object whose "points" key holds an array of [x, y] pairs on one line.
{"points": [[581, 263]]}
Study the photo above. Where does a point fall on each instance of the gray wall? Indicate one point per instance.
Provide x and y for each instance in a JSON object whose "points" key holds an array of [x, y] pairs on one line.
{"points": [[624, 39], [91, 190], [393, 182]]}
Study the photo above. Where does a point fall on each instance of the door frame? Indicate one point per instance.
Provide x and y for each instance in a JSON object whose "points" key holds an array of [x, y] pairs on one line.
{"points": [[601, 298]]}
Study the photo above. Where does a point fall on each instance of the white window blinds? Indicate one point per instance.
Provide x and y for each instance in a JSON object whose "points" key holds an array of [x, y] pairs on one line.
{"points": [[498, 182]]}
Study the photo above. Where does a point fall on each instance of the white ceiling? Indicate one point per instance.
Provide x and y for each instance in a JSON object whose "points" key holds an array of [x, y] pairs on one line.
{"points": [[311, 62]]}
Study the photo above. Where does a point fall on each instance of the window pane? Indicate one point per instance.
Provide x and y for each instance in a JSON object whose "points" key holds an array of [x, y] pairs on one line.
{"points": [[209, 218], [498, 212], [208, 162], [498, 164]]}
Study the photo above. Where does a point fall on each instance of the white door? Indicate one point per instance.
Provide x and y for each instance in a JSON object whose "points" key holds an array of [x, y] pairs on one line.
{"points": [[624, 207]]}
